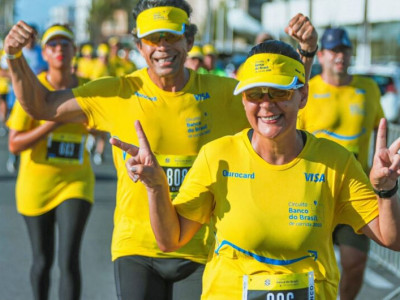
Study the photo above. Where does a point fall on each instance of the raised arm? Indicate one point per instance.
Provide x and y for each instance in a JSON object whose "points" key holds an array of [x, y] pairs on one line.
{"points": [[301, 30], [385, 229], [39, 102], [171, 230]]}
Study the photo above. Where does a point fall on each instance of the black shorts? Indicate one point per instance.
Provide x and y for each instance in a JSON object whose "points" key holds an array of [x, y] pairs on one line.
{"points": [[147, 278], [345, 235]]}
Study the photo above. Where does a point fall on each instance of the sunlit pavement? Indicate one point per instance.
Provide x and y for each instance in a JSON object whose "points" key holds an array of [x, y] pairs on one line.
{"points": [[97, 269]]}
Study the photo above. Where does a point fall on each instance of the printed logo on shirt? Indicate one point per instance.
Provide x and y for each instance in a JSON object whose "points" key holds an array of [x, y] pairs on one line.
{"points": [[321, 96], [314, 177], [357, 109], [145, 97], [226, 173], [305, 214], [202, 96]]}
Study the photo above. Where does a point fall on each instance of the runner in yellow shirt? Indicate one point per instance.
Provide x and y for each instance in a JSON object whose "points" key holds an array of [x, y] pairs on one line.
{"points": [[184, 110], [345, 109], [272, 193], [55, 182]]}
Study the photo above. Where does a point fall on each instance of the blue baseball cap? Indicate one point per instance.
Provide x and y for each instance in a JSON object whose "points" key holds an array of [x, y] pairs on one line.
{"points": [[334, 37]]}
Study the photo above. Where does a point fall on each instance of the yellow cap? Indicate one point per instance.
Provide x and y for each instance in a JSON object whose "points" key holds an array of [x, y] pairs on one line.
{"points": [[114, 40], [87, 50], [102, 50], [195, 52], [57, 30], [209, 49], [161, 18], [271, 70]]}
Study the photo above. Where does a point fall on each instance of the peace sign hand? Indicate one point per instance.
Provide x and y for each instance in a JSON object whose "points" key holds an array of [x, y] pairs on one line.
{"points": [[386, 164], [143, 164]]}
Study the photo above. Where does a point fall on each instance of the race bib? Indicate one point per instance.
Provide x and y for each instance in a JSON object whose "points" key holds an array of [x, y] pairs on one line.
{"points": [[176, 168], [65, 148], [279, 287]]}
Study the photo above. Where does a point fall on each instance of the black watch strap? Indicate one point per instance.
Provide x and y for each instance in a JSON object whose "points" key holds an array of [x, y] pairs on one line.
{"points": [[306, 53], [387, 193]]}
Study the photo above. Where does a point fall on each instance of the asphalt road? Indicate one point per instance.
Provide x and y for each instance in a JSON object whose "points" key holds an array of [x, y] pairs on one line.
{"points": [[97, 269]]}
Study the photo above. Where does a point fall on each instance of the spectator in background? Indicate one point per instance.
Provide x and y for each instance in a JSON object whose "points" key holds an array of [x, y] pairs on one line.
{"points": [[114, 61], [85, 62], [119, 62], [55, 183], [345, 109], [194, 59], [100, 67], [210, 57]]}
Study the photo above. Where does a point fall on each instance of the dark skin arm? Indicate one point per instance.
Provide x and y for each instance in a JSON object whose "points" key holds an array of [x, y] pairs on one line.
{"points": [[37, 101]]}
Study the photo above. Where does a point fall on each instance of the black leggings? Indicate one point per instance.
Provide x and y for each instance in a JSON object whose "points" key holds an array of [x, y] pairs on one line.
{"points": [[146, 278], [70, 217]]}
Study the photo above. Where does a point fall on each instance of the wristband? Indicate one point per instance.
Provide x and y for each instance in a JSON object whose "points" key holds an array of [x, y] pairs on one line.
{"points": [[387, 193], [13, 56], [306, 53]]}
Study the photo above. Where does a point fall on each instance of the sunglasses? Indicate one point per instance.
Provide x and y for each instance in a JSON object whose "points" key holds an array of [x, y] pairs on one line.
{"points": [[61, 42], [155, 38], [257, 94]]}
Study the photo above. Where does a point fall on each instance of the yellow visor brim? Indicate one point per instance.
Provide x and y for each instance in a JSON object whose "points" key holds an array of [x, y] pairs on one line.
{"points": [[162, 18], [56, 31], [271, 70]]}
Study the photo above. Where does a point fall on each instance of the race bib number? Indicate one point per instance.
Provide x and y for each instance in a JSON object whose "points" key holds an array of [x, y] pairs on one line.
{"points": [[176, 168], [65, 148], [279, 287]]}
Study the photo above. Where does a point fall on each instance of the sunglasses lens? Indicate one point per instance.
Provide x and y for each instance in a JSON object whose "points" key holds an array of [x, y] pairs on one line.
{"points": [[279, 95], [154, 38], [54, 43], [254, 95], [258, 94]]}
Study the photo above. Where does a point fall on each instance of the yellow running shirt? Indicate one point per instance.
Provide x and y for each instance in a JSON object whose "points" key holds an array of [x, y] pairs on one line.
{"points": [[274, 219], [55, 169], [344, 114], [177, 124]]}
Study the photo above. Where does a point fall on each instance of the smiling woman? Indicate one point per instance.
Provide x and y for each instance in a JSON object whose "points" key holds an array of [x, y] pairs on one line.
{"points": [[265, 231]]}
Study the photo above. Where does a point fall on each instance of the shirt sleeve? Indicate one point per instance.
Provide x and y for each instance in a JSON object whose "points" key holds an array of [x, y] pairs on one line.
{"points": [[98, 101], [358, 204], [19, 120]]}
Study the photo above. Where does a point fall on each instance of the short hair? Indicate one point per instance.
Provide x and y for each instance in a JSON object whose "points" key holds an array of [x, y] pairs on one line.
{"points": [[190, 30], [277, 47]]}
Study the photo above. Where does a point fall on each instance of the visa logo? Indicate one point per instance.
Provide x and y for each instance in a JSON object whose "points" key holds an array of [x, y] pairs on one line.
{"points": [[202, 96], [315, 177]]}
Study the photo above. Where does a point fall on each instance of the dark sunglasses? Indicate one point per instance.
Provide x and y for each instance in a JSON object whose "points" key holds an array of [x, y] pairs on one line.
{"points": [[61, 42], [257, 94], [154, 38]]}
